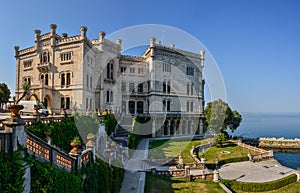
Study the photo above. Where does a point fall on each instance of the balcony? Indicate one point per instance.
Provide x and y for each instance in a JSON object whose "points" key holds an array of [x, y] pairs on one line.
{"points": [[44, 67]]}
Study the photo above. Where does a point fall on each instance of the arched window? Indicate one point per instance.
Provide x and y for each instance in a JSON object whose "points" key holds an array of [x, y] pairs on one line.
{"points": [[107, 96], [111, 96], [45, 57], [140, 87], [46, 79], [110, 71], [63, 79], [68, 79]]}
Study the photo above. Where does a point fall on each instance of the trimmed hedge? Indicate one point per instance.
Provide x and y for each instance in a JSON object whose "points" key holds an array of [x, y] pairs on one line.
{"points": [[260, 187], [226, 161]]}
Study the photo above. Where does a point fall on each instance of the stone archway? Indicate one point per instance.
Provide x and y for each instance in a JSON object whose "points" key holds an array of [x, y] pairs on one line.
{"points": [[33, 97], [47, 102]]}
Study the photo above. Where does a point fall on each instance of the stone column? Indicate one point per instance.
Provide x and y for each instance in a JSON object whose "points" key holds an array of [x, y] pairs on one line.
{"points": [[15, 126], [180, 127], [201, 126], [216, 176], [154, 127], [169, 128], [192, 127]]}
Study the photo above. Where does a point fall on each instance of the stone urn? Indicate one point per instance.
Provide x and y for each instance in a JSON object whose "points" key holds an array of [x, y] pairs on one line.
{"points": [[63, 111], [75, 144], [47, 134], [14, 109]]}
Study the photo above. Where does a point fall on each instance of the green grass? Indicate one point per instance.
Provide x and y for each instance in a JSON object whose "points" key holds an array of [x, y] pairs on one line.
{"points": [[157, 184], [160, 149], [235, 152]]}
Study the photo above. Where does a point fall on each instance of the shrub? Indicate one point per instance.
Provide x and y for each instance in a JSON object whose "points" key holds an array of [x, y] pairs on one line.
{"points": [[260, 187]]}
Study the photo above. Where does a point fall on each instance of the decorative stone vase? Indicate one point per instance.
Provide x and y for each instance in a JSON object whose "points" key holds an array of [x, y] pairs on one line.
{"points": [[63, 111], [74, 147], [47, 133], [14, 109]]}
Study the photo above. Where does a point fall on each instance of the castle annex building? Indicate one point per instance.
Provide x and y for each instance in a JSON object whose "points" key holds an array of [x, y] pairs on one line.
{"points": [[74, 72]]}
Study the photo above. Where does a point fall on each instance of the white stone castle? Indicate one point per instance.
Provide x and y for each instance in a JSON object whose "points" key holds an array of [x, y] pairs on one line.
{"points": [[74, 72]]}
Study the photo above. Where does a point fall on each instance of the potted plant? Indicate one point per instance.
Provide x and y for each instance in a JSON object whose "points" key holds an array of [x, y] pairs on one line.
{"points": [[47, 132], [15, 108], [75, 143]]}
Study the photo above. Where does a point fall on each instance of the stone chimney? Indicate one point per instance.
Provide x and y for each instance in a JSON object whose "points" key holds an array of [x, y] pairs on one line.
{"points": [[101, 36], [83, 30]]}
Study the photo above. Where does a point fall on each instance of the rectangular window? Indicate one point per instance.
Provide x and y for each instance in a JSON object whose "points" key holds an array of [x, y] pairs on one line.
{"points": [[166, 67], [27, 64], [65, 56], [132, 70], [190, 71], [141, 71], [192, 88], [123, 69]]}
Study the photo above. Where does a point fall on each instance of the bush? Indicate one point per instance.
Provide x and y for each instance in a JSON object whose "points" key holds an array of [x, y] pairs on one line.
{"points": [[48, 178], [226, 161], [259, 187], [102, 178], [11, 171]]}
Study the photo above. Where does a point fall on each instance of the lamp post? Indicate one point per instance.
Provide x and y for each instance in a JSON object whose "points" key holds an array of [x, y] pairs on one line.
{"points": [[216, 161]]}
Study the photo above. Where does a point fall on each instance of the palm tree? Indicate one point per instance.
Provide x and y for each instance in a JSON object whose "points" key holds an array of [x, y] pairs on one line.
{"points": [[26, 89]]}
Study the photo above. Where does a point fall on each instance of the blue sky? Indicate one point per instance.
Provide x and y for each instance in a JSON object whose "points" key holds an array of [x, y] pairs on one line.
{"points": [[256, 43]]}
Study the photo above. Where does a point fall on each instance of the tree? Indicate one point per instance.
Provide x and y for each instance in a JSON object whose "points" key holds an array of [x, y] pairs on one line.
{"points": [[26, 89], [219, 116], [4, 94]]}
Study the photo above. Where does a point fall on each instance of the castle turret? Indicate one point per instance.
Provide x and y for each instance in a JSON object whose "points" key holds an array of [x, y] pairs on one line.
{"points": [[37, 37], [16, 51], [101, 36], [152, 43], [202, 58], [83, 31], [53, 32]]}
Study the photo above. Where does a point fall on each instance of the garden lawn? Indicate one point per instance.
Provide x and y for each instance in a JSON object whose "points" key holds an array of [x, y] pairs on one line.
{"points": [[155, 184], [235, 152], [161, 149]]}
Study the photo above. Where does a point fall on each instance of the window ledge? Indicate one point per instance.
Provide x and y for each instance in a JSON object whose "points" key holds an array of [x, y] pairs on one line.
{"points": [[29, 68], [66, 62]]}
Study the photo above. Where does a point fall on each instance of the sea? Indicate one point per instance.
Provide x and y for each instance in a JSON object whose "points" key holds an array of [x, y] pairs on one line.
{"points": [[276, 125]]}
